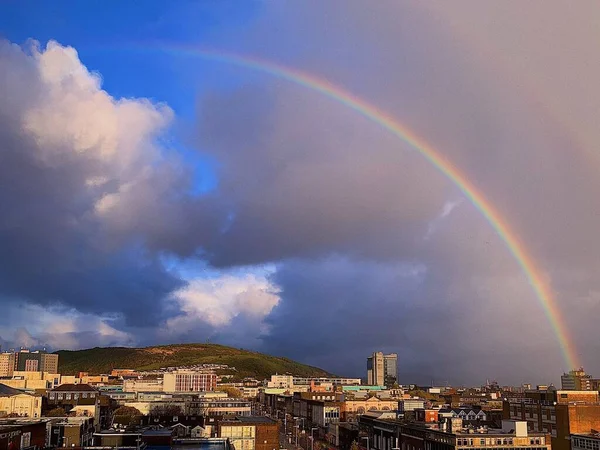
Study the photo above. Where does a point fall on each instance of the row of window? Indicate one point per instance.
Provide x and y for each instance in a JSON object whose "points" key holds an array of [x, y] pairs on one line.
{"points": [[588, 444], [495, 441], [69, 396]]}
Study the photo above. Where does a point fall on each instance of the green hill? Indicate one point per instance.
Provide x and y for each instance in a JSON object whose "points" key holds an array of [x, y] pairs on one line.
{"points": [[247, 363]]}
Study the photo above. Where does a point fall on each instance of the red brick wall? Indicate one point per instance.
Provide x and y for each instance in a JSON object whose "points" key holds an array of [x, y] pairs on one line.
{"points": [[267, 436]]}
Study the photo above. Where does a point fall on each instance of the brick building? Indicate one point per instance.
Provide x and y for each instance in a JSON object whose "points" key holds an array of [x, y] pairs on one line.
{"points": [[16, 434], [385, 433], [560, 413]]}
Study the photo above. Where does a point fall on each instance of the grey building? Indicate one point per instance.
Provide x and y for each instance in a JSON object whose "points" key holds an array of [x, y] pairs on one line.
{"points": [[382, 370]]}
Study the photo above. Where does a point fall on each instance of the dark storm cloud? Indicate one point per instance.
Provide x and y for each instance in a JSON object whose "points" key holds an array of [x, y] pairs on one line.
{"points": [[416, 270], [306, 178]]}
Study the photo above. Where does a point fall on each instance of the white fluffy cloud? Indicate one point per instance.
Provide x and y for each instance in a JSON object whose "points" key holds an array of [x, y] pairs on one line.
{"points": [[217, 301]]}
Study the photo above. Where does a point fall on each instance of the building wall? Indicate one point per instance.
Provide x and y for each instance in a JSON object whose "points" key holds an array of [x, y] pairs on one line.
{"points": [[7, 364], [351, 409], [24, 405], [242, 436], [390, 367], [49, 363], [281, 381], [376, 369], [189, 381], [23, 435], [560, 420], [143, 386], [267, 436], [585, 442]]}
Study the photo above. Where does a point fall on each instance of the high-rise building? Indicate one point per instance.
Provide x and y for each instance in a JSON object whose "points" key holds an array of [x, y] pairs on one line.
{"points": [[38, 361], [7, 364], [382, 369], [390, 369], [576, 380]]}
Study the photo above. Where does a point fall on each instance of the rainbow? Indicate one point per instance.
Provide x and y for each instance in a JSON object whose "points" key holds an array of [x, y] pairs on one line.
{"points": [[386, 121]]}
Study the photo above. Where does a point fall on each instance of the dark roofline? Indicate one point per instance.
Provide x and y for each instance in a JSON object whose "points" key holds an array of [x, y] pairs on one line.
{"points": [[75, 387]]}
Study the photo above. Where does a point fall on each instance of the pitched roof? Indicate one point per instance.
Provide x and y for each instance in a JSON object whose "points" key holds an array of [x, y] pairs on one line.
{"points": [[7, 391], [74, 387]]}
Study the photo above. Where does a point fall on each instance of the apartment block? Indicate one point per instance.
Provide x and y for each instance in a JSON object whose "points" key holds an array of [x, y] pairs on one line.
{"points": [[37, 361], [382, 370], [189, 381]]}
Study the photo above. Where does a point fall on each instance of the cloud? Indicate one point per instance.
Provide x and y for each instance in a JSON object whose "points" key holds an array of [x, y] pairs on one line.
{"points": [[217, 301], [68, 152], [308, 178], [369, 249]]}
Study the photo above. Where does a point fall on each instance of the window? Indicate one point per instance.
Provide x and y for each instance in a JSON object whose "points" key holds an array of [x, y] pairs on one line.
{"points": [[481, 441], [564, 395]]}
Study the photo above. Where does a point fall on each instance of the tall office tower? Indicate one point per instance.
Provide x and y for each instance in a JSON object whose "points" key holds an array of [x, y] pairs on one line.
{"points": [[38, 361], [382, 370], [390, 368]]}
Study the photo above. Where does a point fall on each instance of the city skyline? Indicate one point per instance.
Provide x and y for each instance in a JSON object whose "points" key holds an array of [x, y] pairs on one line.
{"points": [[307, 181]]}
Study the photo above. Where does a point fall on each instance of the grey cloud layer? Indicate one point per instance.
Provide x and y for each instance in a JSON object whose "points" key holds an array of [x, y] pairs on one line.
{"points": [[353, 219]]}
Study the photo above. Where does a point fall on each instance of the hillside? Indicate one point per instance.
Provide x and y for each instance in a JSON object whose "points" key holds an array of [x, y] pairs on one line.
{"points": [[248, 363]]}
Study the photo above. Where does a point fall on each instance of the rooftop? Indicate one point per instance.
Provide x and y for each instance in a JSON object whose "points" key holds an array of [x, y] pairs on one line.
{"points": [[74, 387], [250, 419], [7, 391]]}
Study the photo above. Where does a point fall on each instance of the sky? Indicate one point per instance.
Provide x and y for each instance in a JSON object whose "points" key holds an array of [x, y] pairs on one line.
{"points": [[153, 196]]}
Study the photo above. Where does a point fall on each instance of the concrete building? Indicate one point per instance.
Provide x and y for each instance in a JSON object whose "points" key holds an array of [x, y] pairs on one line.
{"points": [[37, 361], [382, 370], [576, 380], [189, 381], [70, 396], [352, 409], [7, 364], [216, 407], [281, 381], [410, 404], [72, 432], [336, 381], [559, 413], [588, 441], [32, 381], [15, 402], [149, 385], [250, 433]]}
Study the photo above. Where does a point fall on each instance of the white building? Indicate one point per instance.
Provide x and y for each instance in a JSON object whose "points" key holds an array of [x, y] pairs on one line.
{"points": [[281, 381], [189, 381]]}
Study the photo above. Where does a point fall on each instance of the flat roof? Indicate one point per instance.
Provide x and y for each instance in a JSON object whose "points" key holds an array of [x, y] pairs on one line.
{"points": [[250, 419]]}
